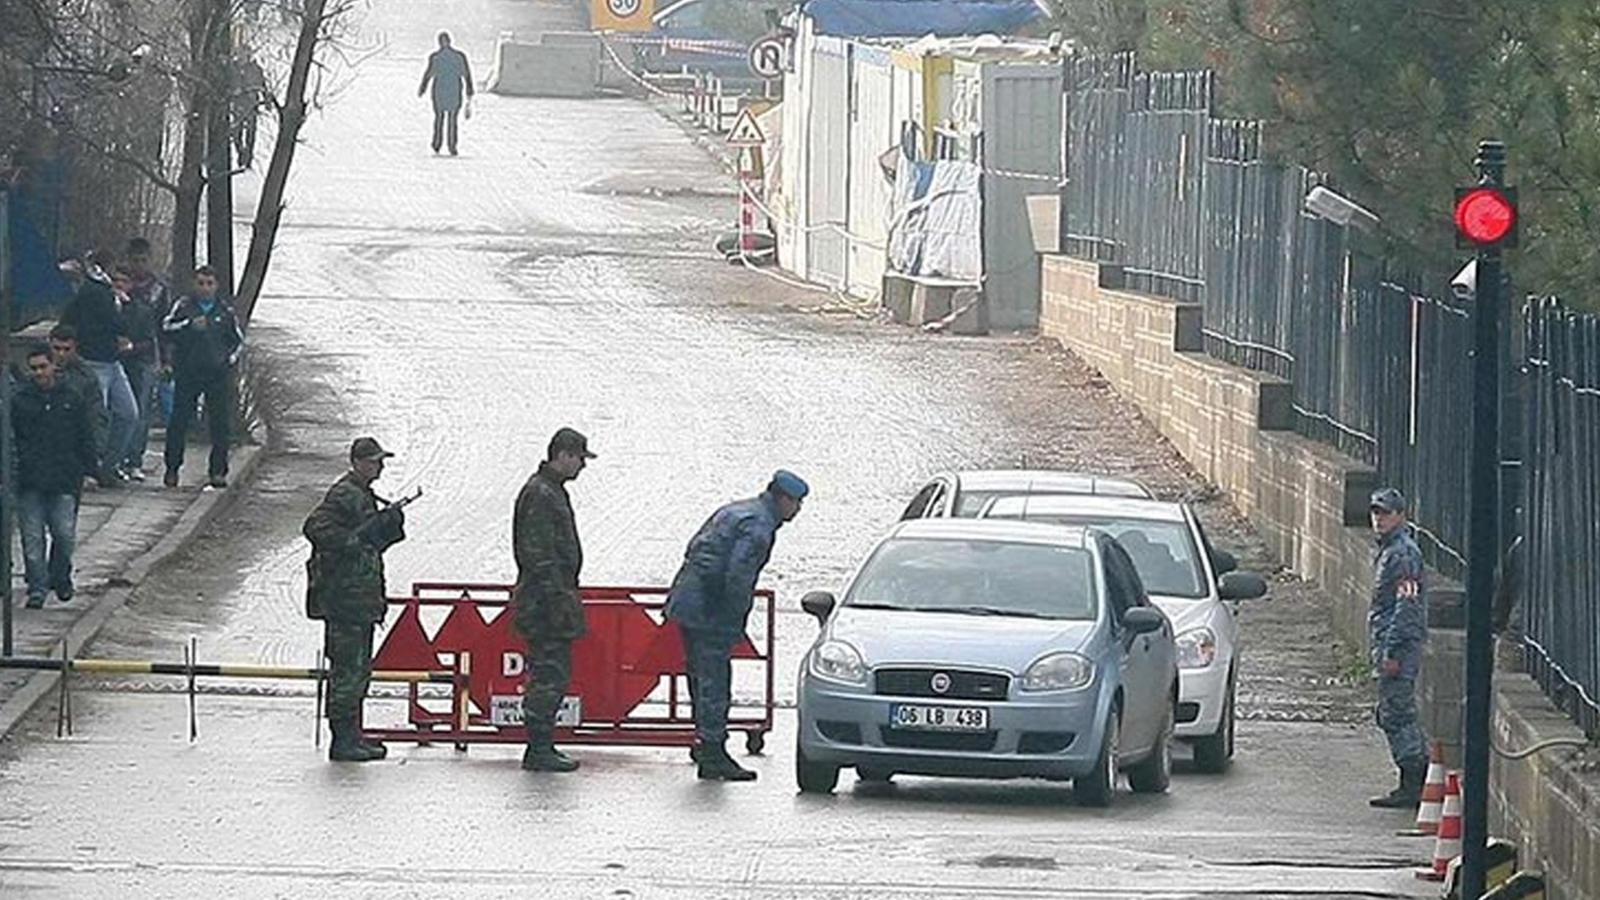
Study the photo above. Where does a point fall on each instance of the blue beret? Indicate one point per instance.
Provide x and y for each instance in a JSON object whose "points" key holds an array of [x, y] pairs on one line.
{"points": [[787, 482]]}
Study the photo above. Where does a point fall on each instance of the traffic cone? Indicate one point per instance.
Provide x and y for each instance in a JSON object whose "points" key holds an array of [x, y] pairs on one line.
{"points": [[1448, 846], [1432, 806]]}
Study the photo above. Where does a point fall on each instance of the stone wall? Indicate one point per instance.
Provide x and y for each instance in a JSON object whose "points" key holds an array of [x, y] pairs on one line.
{"points": [[1309, 503]]}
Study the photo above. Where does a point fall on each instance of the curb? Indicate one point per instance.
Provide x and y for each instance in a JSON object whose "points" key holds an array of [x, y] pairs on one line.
{"points": [[199, 514]]}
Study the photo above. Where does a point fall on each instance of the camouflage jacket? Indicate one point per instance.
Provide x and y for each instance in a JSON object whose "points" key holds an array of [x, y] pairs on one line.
{"points": [[344, 577], [544, 536], [1397, 622]]}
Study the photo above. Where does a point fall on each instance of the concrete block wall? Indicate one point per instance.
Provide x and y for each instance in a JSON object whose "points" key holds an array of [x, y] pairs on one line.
{"points": [[1309, 502]]}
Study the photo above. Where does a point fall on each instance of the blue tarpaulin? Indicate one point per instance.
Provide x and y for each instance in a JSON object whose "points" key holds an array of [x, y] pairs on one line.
{"points": [[915, 18]]}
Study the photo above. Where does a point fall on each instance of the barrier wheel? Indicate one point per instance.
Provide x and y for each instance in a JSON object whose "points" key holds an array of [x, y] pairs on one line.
{"points": [[755, 742]]}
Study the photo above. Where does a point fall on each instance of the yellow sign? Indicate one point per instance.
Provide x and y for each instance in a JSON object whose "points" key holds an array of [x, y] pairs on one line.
{"points": [[621, 15]]}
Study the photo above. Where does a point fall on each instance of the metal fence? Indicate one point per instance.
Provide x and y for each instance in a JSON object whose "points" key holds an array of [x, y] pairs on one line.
{"points": [[1192, 207], [1561, 512]]}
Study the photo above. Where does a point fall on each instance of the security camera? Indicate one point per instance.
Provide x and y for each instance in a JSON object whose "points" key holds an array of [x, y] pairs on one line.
{"points": [[1464, 287], [1338, 209]]}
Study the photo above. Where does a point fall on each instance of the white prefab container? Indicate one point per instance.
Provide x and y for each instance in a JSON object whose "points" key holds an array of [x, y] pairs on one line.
{"points": [[827, 162], [873, 132]]}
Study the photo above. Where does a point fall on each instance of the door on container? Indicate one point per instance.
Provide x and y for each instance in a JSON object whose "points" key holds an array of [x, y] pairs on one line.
{"points": [[872, 133], [1021, 157], [828, 162]]}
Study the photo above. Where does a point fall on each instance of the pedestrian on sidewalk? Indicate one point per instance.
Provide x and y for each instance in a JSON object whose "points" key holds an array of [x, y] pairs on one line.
{"points": [[1397, 626], [710, 600], [54, 434], [451, 75], [548, 609], [345, 590], [151, 290], [74, 375], [139, 362], [96, 314], [206, 343]]}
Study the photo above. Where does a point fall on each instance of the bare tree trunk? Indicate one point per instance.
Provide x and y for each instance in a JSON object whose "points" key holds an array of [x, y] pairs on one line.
{"points": [[191, 184], [291, 116]]}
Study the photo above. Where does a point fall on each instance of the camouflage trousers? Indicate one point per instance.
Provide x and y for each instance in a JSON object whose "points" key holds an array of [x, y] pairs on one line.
{"points": [[547, 668], [709, 658], [1397, 717], [348, 647]]}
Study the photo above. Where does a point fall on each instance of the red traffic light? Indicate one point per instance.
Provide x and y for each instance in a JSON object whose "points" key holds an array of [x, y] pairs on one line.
{"points": [[1485, 216]]}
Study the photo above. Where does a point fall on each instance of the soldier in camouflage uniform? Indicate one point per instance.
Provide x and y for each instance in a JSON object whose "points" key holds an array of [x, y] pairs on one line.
{"points": [[548, 610], [1397, 625], [345, 589]]}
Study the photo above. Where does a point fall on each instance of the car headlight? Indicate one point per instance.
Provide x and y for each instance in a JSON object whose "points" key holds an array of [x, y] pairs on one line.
{"points": [[838, 661], [1197, 648], [1058, 672]]}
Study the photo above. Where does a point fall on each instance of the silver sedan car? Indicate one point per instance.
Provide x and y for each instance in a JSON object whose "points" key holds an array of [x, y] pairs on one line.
{"points": [[995, 650]]}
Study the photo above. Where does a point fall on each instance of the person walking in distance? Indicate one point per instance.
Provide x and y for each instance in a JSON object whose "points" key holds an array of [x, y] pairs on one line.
{"points": [[140, 361], [95, 313], [710, 600], [55, 449], [451, 76], [548, 610], [206, 345], [1397, 626], [71, 373], [345, 590]]}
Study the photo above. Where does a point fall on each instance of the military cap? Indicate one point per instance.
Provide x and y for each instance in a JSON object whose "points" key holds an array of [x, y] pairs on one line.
{"points": [[368, 448], [568, 440], [787, 482], [1388, 500]]}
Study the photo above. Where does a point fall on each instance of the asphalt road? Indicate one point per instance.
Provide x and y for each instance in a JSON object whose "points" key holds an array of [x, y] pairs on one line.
{"points": [[559, 272]]}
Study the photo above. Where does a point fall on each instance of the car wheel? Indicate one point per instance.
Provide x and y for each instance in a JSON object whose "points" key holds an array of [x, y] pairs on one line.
{"points": [[1154, 774], [1213, 752], [1098, 787], [874, 775], [814, 778]]}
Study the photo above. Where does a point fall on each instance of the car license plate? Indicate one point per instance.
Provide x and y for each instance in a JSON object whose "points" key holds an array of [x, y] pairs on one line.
{"points": [[938, 718]]}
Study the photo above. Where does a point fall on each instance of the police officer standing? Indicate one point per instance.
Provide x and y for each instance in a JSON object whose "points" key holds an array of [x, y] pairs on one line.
{"points": [[345, 589], [710, 600], [1397, 626], [548, 610]]}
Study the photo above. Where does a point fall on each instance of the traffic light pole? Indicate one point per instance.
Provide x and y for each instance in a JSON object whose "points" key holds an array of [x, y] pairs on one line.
{"points": [[1482, 540]]}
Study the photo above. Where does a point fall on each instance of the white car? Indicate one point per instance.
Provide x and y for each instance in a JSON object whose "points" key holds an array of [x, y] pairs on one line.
{"points": [[1190, 581], [963, 495]]}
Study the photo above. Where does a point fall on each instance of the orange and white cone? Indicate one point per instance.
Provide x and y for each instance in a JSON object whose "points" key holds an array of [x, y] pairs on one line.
{"points": [[1432, 807], [1448, 846]]}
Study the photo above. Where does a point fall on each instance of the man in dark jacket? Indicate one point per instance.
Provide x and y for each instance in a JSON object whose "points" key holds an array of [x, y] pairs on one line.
{"points": [[142, 363], [548, 610], [206, 342], [95, 313], [1397, 626], [73, 374], [54, 436], [710, 600], [345, 589], [151, 290], [450, 75]]}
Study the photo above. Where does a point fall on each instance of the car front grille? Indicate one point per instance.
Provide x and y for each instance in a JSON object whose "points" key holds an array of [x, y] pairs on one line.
{"points": [[963, 685], [972, 742]]}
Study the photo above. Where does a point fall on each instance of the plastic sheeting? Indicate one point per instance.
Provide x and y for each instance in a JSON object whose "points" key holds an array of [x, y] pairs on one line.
{"points": [[914, 18], [937, 216]]}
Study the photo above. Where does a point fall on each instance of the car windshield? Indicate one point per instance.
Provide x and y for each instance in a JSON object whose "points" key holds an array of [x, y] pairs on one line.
{"points": [[978, 577], [1162, 552]]}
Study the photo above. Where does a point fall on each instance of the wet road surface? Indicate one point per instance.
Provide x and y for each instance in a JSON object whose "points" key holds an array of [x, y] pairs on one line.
{"points": [[558, 273]]}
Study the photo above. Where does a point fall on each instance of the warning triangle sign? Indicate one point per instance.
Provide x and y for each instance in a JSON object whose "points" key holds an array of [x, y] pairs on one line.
{"points": [[745, 131]]}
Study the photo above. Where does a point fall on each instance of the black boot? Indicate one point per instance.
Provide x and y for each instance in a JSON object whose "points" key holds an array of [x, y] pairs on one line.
{"points": [[714, 764], [376, 747], [542, 756], [1408, 793], [347, 746]]}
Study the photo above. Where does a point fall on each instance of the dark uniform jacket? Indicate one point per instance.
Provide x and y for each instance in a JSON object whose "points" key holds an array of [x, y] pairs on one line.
{"points": [[96, 317], [450, 74], [544, 536], [344, 577], [77, 378], [715, 588], [1397, 621], [55, 438]]}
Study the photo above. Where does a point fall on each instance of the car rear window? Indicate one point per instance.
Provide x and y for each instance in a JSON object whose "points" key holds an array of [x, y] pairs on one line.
{"points": [[1162, 552], [982, 577]]}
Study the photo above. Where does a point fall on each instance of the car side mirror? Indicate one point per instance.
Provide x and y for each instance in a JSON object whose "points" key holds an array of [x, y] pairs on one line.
{"points": [[1223, 561], [819, 604], [1143, 620], [1241, 586]]}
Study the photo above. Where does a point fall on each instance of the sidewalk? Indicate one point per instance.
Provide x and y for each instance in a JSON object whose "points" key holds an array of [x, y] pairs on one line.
{"points": [[123, 534]]}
